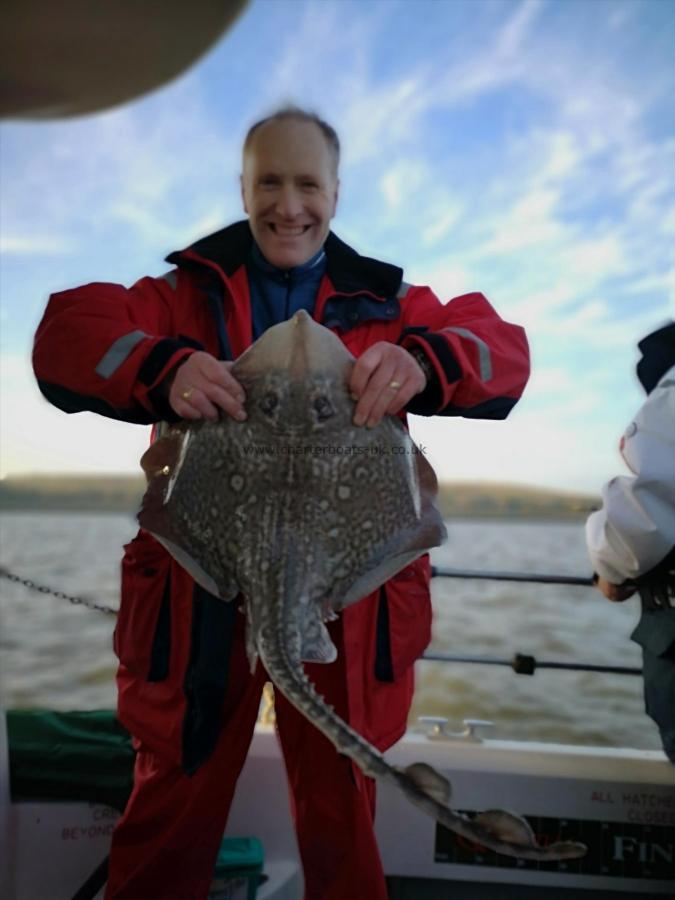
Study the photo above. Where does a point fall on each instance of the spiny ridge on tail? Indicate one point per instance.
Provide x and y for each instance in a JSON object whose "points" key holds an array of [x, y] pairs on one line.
{"points": [[495, 829], [431, 782], [293, 683]]}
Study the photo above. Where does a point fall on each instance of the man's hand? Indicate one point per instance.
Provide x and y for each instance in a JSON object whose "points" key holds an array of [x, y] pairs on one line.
{"points": [[203, 384], [383, 380], [617, 593]]}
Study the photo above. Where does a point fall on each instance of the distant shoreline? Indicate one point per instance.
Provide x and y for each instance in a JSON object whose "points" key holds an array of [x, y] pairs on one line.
{"points": [[123, 493]]}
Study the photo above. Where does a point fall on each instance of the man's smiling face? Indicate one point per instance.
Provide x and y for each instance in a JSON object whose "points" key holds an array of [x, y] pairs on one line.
{"points": [[289, 187]]}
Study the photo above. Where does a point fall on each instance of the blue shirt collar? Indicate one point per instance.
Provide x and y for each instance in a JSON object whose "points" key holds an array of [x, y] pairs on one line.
{"points": [[315, 266]]}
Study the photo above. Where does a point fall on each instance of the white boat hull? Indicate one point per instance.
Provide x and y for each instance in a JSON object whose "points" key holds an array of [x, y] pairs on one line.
{"points": [[620, 802]]}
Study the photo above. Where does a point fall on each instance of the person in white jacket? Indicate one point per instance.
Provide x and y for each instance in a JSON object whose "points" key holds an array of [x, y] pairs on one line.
{"points": [[631, 540]]}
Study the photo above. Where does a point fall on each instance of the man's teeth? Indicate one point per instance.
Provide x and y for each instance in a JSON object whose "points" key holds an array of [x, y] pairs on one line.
{"points": [[288, 231]]}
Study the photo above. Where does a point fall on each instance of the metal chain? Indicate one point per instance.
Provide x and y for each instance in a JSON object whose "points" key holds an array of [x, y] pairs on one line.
{"points": [[61, 595]]}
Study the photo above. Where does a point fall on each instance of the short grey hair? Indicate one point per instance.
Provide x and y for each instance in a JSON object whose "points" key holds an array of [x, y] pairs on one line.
{"points": [[300, 115]]}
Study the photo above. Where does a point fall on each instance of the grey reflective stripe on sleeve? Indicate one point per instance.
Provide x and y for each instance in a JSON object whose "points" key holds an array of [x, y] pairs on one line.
{"points": [[484, 359], [171, 278], [403, 290], [118, 353]]}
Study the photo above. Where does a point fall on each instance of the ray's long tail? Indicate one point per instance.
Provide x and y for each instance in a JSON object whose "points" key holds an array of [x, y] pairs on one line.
{"points": [[497, 830]]}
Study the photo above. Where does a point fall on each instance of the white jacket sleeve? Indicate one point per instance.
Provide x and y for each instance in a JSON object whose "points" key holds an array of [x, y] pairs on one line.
{"points": [[635, 529]]}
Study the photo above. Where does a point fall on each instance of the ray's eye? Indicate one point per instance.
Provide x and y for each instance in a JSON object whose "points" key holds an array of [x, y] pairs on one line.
{"points": [[323, 408], [268, 403]]}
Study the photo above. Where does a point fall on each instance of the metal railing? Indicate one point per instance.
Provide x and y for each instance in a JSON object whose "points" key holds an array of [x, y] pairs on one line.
{"points": [[521, 663]]}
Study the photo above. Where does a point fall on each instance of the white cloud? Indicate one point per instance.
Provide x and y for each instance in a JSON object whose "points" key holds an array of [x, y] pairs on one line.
{"points": [[595, 259], [528, 449], [530, 222], [544, 303], [440, 225], [372, 115], [401, 182], [621, 17], [547, 382], [36, 245], [501, 59], [35, 436], [662, 281], [668, 222], [446, 279], [518, 28], [145, 168], [564, 217], [564, 155]]}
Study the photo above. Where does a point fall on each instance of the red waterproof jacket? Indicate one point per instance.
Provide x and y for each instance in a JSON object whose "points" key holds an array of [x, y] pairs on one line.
{"points": [[106, 348]]}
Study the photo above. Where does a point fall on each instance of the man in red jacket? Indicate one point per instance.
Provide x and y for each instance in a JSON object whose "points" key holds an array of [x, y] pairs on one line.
{"points": [[163, 350]]}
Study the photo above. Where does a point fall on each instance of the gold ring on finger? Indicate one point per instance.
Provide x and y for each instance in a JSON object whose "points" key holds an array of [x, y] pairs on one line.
{"points": [[187, 393], [394, 385]]}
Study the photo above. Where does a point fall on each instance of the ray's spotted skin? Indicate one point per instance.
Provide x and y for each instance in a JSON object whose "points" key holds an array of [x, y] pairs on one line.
{"points": [[303, 513]]}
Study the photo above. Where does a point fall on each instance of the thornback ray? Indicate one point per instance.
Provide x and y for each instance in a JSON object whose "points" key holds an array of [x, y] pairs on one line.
{"points": [[302, 513]]}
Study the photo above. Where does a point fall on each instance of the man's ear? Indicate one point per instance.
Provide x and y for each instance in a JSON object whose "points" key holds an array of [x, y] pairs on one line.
{"points": [[336, 196], [243, 195]]}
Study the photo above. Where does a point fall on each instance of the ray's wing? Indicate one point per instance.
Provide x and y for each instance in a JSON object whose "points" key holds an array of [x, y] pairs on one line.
{"points": [[414, 537], [370, 514], [180, 467]]}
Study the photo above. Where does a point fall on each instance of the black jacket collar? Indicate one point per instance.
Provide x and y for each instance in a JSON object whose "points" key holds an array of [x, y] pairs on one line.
{"points": [[348, 271], [658, 355]]}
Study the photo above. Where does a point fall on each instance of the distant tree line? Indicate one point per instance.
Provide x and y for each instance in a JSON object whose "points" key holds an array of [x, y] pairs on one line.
{"points": [[123, 493]]}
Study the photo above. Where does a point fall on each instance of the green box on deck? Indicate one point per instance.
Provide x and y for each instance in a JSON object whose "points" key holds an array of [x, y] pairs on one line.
{"points": [[238, 869], [87, 757]]}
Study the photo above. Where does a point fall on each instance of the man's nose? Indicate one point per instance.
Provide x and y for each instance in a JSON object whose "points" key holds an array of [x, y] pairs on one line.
{"points": [[289, 203]]}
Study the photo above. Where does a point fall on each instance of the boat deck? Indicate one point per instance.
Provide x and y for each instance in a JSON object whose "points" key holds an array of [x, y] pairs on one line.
{"points": [[620, 803]]}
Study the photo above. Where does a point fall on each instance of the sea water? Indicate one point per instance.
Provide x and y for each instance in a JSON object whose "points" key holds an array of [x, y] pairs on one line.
{"points": [[57, 655]]}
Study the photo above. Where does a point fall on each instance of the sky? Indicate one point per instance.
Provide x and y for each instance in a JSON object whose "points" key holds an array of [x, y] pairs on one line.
{"points": [[521, 148]]}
